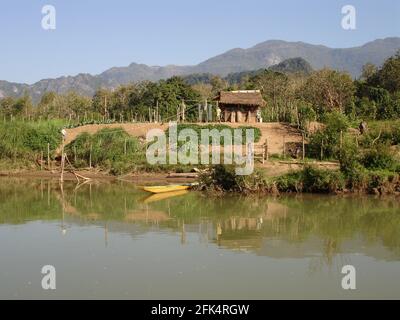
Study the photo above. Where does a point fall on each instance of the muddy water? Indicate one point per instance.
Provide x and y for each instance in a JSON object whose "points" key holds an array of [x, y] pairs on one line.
{"points": [[111, 240]]}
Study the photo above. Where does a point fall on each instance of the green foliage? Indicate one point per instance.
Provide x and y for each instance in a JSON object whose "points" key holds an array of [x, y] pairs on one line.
{"points": [[388, 76], [329, 138], [349, 156], [328, 90], [387, 132], [28, 139], [379, 157], [365, 108], [224, 178], [382, 87], [306, 114], [312, 180], [111, 149]]}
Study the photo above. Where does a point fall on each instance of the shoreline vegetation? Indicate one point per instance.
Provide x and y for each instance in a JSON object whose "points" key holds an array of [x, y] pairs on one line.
{"points": [[333, 118], [308, 180]]}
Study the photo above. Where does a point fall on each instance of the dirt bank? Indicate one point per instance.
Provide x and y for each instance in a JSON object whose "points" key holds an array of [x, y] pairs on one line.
{"points": [[275, 133]]}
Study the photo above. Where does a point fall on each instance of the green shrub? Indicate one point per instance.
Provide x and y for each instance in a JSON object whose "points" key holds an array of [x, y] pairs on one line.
{"points": [[108, 148], [379, 157], [27, 139], [328, 140], [312, 180], [223, 178]]}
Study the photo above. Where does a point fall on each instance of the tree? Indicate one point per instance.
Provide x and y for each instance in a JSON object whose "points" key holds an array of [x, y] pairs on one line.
{"points": [[101, 101], [329, 90], [274, 87], [368, 71], [7, 106], [218, 84], [388, 76]]}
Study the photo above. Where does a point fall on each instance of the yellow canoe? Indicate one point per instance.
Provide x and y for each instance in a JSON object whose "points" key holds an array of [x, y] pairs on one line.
{"points": [[168, 188], [161, 189]]}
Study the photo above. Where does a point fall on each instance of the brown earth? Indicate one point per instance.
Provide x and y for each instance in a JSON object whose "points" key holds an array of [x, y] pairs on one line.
{"points": [[274, 133]]}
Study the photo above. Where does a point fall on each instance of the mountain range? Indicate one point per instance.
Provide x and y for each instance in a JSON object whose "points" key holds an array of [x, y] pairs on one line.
{"points": [[262, 55]]}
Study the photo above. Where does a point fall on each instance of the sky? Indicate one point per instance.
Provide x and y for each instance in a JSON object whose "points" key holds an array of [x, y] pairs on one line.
{"points": [[94, 35]]}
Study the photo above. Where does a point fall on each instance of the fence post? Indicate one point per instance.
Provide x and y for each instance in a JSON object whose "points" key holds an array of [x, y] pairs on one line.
{"points": [[48, 156], [125, 146], [199, 110], [90, 157], [284, 148], [304, 150], [322, 149], [341, 141], [62, 161]]}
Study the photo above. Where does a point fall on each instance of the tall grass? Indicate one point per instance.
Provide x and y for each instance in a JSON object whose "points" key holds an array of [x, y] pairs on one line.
{"points": [[25, 140], [110, 148]]}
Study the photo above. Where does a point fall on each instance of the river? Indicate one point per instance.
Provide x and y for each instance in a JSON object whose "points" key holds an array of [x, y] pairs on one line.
{"points": [[112, 240]]}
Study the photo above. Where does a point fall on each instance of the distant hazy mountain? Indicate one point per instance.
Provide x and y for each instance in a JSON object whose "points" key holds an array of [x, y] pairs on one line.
{"points": [[262, 55]]}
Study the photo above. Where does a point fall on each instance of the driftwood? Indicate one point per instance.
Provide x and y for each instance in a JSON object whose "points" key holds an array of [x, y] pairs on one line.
{"points": [[377, 138], [183, 175]]}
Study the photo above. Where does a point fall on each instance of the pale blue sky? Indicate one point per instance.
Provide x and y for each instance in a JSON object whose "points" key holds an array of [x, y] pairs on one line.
{"points": [[93, 35]]}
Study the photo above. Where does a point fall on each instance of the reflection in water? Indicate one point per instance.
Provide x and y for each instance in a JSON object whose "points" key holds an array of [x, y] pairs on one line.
{"points": [[322, 229], [234, 222]]}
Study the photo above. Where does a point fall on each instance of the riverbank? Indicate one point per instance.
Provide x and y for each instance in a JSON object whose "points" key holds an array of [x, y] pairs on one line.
{"points": [[308, 180], [147, 177], [221, 179]]}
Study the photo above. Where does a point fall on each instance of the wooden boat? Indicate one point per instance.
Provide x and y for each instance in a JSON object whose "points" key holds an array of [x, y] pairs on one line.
{"points": [[168, 188]]}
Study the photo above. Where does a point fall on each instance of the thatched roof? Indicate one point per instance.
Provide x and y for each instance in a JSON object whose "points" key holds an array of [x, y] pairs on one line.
{"points": [[242, 97]]}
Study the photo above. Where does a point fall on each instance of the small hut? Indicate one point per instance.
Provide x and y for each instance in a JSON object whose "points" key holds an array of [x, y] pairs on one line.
{"points": [[240, 106]]}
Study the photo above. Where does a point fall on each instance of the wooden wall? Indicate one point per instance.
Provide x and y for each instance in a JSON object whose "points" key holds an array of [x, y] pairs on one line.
{"points": [[238, 113]]}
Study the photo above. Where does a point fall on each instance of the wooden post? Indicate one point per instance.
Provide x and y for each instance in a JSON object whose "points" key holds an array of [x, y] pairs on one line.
{"points": [[105, 107], [41, 160], [157, 114], [322, 149], [284, 148], [205, 109], [199, 111], [62, 160], [304, 150], [125, 147], [183, 111], [341, 141], [74, 154], [48, 156], [209, 107], [90, 157]]}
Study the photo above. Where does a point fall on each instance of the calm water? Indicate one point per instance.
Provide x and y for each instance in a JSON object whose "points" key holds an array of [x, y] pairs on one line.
{"points": [[109, 240]]}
